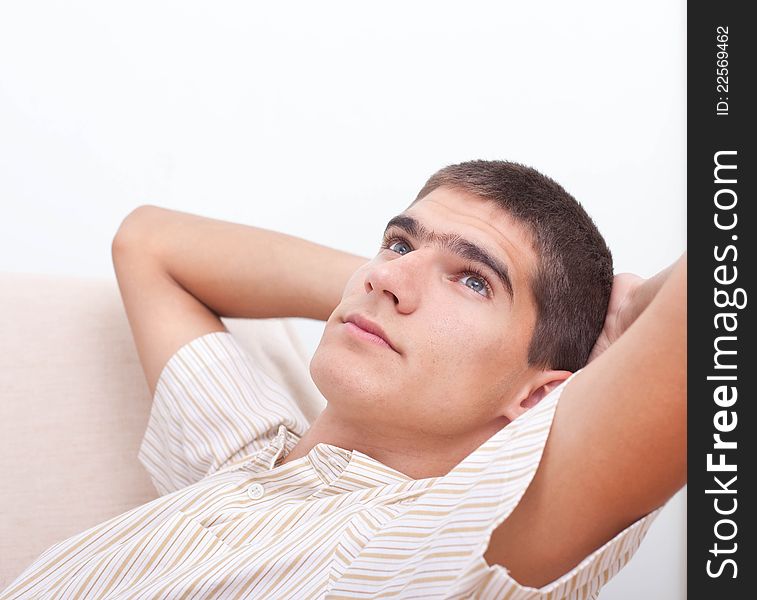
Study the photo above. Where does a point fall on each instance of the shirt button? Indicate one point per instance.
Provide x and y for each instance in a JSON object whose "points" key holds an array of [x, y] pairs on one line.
{"points": [[255, 491]]}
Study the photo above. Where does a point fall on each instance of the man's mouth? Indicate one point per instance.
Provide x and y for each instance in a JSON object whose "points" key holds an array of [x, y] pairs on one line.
{"points": [[368, 330]]}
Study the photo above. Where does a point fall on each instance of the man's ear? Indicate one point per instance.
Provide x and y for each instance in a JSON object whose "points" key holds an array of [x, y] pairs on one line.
{"points": [[536, 388]]}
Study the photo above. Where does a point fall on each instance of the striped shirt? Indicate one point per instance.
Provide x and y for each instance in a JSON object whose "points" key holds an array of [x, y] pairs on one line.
{"points": [[232, 522]]}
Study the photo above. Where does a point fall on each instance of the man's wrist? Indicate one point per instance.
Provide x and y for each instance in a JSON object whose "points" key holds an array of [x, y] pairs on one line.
{"points": [[640, 295], [629, 310]]}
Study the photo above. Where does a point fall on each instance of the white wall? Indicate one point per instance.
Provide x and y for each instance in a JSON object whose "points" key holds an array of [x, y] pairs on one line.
{"points": [[324, 119]]}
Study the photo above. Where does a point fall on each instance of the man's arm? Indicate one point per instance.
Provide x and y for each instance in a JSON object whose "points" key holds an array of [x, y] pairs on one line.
{"points": [[617, 446], [178, 273]]}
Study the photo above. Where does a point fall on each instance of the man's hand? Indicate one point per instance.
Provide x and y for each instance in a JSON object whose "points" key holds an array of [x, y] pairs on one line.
{"points": [[616, 322], [629, 297]]}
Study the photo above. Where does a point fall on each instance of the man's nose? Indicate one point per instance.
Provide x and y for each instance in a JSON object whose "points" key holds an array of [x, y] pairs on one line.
{"points": [[399, 279]]}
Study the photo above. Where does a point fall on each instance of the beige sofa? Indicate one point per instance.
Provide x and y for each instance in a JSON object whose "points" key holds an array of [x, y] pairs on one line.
{"points": [[74, 404]]}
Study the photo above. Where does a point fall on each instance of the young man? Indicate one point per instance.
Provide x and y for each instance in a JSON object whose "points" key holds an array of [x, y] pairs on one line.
{"points": [[443, 465]]}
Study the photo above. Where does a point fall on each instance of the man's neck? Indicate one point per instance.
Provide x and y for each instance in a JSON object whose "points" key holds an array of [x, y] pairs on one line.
{"points": [[416, 456]]}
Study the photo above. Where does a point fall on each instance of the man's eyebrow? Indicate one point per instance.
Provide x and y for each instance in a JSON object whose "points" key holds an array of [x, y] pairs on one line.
{"points": [[456, 244]]}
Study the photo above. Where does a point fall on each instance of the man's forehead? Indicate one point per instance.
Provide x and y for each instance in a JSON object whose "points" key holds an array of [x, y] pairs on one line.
{"points": [[449, 206]]}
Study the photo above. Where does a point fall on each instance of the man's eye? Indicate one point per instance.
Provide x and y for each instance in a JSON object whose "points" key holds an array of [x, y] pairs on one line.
{"points": [[387, 244], [484, 288]]}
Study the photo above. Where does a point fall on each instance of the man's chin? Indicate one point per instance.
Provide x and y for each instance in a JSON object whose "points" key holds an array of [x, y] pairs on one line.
{"points": [[342, 376]]}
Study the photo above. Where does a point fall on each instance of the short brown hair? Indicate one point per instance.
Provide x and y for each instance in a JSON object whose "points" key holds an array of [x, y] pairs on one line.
{"points": [[574, 274]]}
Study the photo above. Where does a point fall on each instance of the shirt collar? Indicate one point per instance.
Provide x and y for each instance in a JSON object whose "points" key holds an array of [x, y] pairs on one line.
{"points": [[340, 470]]}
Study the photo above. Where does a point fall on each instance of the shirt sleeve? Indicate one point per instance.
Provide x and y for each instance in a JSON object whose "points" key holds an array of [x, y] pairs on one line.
{"points": [[584, 581], [212, 407]]}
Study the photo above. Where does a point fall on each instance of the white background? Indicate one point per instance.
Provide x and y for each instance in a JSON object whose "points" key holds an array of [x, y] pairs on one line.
{"points": [[324, 119]]}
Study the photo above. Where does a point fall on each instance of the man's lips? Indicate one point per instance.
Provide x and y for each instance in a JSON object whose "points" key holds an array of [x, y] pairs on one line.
{"points": [[364, 324]]}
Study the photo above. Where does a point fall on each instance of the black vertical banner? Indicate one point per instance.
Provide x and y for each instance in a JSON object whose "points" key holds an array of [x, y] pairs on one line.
{"points": [[722, 424]]}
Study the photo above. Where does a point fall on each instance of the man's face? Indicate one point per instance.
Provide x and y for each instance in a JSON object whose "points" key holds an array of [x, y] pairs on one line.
{"points": [[460, 349]]}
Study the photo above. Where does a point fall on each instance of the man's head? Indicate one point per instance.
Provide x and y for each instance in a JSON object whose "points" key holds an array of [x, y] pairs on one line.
{"points": [[469, 353]]}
